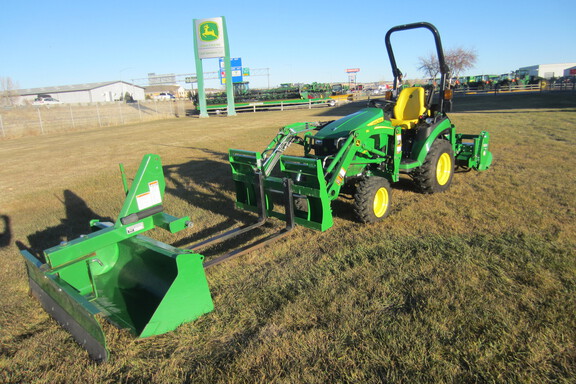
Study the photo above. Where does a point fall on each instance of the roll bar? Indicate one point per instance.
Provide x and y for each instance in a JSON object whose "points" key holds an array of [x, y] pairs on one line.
{"points": [[439, 51]]}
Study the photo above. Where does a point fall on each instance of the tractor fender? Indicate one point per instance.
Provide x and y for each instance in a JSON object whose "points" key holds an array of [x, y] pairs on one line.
{"points": [[424, 140]]}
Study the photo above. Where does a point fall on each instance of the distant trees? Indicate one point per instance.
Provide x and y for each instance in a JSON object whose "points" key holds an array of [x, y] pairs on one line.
{"points": [[8, 89], [458, 60]]}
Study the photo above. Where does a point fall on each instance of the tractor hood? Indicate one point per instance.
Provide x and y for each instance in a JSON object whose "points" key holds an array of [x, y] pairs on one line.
{"points": [[342, 127]]}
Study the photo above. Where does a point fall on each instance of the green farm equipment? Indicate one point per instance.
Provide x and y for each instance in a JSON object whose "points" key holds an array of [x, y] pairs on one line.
{"points": [[115, 272], [132, 281], [363, 153], [148, 287]]}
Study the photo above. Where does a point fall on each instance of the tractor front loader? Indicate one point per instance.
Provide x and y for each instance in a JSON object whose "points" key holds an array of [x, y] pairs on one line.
{"points": [[409, 132]]}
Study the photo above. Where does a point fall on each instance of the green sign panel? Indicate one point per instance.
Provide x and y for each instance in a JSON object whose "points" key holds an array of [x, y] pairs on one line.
{"points": [[209, 31]]}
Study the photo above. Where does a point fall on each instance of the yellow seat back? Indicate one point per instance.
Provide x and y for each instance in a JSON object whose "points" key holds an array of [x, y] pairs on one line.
{"points": [[409, 107]]}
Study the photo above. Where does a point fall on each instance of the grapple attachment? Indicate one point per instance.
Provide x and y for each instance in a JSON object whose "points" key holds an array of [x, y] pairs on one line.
{"points": [[309, 191], [472, 151], [135, 282]]}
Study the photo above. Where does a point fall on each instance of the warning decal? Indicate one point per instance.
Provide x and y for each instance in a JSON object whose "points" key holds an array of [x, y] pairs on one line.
{"points": [[148, 199], [340, 177]]}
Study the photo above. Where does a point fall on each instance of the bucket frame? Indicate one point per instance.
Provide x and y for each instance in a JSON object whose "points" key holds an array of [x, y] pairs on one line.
{"points": [[116, 273]]}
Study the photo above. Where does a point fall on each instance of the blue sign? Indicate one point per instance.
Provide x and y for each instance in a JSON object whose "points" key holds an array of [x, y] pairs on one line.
{"points": [[236, 66]]}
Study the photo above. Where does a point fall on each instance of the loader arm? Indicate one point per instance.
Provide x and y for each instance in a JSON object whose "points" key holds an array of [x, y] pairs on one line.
{"points": [[285, 137]]}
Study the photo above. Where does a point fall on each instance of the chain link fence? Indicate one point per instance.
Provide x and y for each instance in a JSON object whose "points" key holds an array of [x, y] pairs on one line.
{"points": [[41, 119]]}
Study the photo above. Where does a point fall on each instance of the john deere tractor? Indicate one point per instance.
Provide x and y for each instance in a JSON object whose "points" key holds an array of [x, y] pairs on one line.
{"points": [[408, 132], [149, 287]]}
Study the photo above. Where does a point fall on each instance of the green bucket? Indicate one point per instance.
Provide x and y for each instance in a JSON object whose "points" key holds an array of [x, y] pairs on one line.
{"points": [[137, 284]]}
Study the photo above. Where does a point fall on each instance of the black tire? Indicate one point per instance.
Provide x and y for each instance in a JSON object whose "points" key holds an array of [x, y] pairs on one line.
{"points": [[436, 174], [372, 199]]}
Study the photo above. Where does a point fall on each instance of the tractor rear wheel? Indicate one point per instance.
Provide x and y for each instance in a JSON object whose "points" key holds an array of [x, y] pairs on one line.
{"points": [[372, 199], [435, 175]]}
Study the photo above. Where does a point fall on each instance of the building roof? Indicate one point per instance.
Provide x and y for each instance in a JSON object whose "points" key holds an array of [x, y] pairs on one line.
{"points": [[69, 88]]}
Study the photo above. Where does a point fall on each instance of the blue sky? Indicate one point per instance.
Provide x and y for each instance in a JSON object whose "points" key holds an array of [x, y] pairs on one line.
{"points": [[55, 42]]}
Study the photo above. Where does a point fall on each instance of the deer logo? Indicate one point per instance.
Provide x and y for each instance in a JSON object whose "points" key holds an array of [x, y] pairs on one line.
{"points": [[209, 31]]}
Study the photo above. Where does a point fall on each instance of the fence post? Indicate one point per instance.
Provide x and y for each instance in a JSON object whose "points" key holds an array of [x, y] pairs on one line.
{"points": [[40, 120], [282, 105], [120, 109], [139, 111], [98, 113], [309, 103], [72, 117], [2, 127]]}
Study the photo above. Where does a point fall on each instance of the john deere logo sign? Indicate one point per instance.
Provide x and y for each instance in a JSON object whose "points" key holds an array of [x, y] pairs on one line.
{"points": [[210, 38], [209, 31]]}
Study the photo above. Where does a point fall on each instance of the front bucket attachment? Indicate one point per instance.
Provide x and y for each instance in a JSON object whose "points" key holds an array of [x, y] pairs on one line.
{"points": [[134, 282], [137, 284]]}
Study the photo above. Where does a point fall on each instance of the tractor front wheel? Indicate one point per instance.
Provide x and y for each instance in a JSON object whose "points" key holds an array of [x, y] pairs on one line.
{"points": [[372, 199], [435, 175]]}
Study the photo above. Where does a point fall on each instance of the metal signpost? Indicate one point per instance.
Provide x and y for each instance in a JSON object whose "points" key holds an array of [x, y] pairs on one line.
{"points": [[352, 76], [211, 41], [236, 69]]}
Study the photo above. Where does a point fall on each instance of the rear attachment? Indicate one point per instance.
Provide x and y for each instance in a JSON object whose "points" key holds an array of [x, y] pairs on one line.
{"points": [[472, 151], [135, 282]]}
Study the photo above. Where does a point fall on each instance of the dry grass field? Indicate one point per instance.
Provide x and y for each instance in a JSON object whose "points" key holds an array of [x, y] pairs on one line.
{"points": [[476, 284]]}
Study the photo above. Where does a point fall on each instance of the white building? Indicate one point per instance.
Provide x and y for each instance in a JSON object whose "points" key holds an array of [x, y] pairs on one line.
{"points": [[547, 71], [84, 93]]}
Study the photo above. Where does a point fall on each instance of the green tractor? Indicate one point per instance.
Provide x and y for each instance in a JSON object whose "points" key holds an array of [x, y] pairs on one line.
{"points": [[147, 287], [362, 154]]}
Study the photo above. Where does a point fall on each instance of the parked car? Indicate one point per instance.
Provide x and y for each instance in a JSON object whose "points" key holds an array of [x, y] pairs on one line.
{"points": [[165, 96], [46, 100]]}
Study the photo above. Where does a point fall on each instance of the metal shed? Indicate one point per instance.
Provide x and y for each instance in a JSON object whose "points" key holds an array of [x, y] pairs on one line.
{"points": [[85, 93]]}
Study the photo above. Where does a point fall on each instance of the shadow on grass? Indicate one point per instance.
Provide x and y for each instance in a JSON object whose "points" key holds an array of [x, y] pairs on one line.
{"points": [[207, 183], [6, 234], [76, 223]]}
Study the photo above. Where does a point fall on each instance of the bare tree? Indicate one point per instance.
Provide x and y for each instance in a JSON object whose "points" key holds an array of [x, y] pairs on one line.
{"points": [[429, 65], [8, 93], [458, 60]]}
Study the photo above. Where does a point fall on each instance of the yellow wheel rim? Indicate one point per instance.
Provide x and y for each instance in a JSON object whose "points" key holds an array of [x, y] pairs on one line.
{"points": [[443, 169], [381, 201]]}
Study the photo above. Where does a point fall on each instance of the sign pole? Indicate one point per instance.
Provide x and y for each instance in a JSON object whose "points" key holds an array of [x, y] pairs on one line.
{"points": [[200, 77], [228, 69], [211, 41]]}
